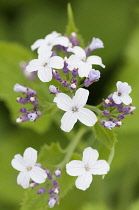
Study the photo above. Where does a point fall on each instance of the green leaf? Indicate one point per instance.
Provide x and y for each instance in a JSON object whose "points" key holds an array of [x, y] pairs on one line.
{"points": [[96, 206], [50, 157], [10, 57], [104, 135]]}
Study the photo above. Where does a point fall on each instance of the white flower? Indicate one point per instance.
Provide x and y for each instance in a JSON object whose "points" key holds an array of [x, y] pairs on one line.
{"points": [[27, 168], [74, 109], [122, 94], [80, 61], [51, 40], [44, 65], [86, 168]]}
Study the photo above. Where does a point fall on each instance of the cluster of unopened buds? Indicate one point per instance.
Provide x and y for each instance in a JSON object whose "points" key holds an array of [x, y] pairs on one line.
{"points": [[115, 109], [29, 97], [29, 169]]}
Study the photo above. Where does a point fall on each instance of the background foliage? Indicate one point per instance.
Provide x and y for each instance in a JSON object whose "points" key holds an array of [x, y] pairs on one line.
{"points": [[116, 23]]}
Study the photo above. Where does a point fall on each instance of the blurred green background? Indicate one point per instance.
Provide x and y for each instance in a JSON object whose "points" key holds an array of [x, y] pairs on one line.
{"points": [[117, 24]]}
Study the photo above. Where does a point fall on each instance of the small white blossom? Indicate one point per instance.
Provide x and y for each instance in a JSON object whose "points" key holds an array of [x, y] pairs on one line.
{"points": [[90, 165], [122, 94], [74, 109], [51, 40], [80, 61], [28, 169], [44, 64]]}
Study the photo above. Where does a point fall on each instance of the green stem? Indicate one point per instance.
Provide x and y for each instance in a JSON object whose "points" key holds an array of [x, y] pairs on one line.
{"points": [[70, 149], [95, 109]]}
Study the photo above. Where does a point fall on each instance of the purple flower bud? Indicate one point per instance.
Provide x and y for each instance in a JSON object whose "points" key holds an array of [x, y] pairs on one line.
{"points": [[33, 184], [120, 116], [107, 124], [22, 118], [119, 107], [23, 110], [65, 68], [96, 44], [74, 72], [128, 109], [32, 116], [47, 171], [106, 113], [56, 190], [21, 100], [53, 200], [118, 123], [73, 80], [94, 75], [57, 172], [55, 183], [60, 79], [73, 39], [34, 101], [50, 191], [25, 90], [87, 82], [64, 84], [73, 86], [53, 89], [41, 190], [56, 74], [106, 102]]}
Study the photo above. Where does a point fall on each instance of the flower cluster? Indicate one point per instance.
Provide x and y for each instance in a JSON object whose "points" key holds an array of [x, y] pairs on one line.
{"points": [[30, 97], [115, 109], [29, 169]]}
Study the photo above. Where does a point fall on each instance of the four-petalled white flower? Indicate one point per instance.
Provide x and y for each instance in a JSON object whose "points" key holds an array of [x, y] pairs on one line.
{"points": [[86, 168], [80, 61], [74, 109], [122, 94], [28, 169], [51, 40], [44, 64]]}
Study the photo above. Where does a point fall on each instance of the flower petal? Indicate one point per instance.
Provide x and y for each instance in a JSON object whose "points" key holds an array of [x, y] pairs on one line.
{"points": [[44, 54], [72, 62], [63, 101], [100, 167], [90, 156], [30, 156], [95, 60], [18, 163], [79, 52], [84, 68], [63, 41], [86, 116], [83, 181], [123, 87], [126, 99], [80, 98], [45, 74], [33, 65], [68, 120], [37, 174], [23, 179], [37, 44], [116, 98], [56, 62], [75, 168]]}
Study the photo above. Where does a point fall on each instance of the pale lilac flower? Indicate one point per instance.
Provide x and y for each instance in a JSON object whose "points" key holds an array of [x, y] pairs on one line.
{"points": [[51, 40], [128, 109], [122, 94], [34, 115], [96, 44], [74, 109], [80, 61], [90, 165], [27, 168], [26, 90], [44, 65], [107, 124]]}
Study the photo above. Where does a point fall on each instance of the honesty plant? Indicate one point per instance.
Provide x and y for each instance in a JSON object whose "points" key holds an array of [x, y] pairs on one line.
{"points": [[69, 69]]}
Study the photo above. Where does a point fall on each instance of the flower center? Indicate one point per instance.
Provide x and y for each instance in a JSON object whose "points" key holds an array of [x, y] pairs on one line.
{"points": [[45, 64], [74, 109], [87, 168], [119, 94], [29, 168]]}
